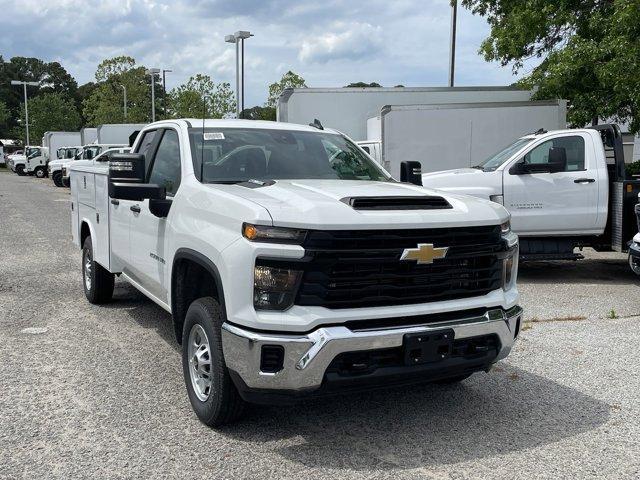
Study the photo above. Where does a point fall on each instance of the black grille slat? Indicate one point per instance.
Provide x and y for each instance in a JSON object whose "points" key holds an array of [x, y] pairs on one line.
{"points": [[350, 269]]}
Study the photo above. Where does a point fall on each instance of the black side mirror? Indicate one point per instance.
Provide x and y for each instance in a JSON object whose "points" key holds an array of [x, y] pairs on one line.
{"points": [[127, 177], [411, 172]]}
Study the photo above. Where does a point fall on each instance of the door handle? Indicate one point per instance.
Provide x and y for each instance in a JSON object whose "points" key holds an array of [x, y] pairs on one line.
{"points": [[584, 180], [115, 201], [135, 208]]}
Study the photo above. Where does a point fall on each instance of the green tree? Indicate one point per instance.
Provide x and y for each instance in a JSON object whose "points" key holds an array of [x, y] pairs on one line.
{"points": [[589, 51], [49, 112], [105, 102], [363, 85], [201, 96], [259, 113], [5, 115], [288, 80]]}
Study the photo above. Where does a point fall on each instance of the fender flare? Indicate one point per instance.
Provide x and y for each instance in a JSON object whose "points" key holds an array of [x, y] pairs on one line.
{"points": [[204, 262], [91, 230]]}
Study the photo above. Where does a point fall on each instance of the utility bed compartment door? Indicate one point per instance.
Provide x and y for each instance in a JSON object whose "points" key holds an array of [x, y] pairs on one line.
{"points": [[101, 243]]}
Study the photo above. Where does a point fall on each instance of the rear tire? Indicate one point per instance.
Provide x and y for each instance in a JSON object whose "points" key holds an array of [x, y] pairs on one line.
{"points": [[97, 281], [211, 391], [57, 178]]}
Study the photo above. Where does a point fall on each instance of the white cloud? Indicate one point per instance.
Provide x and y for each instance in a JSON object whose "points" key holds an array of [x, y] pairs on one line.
{"points": [[345, 41]]}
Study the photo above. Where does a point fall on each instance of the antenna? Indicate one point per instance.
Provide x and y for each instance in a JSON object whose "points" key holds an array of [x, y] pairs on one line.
{"points": [[204, 114], [316, 124]]}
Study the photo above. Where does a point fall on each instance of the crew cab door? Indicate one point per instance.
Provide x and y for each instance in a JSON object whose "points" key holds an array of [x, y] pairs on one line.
{"points": [[121, 213], [148, 232], [554, 202]]}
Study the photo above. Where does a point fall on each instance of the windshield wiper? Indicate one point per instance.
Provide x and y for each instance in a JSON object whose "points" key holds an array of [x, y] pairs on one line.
{"points": [[479, 167]]}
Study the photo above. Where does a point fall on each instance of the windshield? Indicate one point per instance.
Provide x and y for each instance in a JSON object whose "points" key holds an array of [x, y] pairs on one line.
{"points": [[61, 153], [234, 155], [497, 159], [91, 152]]}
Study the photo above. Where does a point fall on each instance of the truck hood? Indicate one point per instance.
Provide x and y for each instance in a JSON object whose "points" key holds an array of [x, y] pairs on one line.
{"points": [[317, 204], [467, 181]]}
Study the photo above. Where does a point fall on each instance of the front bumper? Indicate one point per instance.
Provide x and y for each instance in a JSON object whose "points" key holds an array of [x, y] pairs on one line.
{"points": [[307, 356]]}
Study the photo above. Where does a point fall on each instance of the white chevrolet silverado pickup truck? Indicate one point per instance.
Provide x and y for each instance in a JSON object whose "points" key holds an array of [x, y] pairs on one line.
{"points": [[564, 189], [293, 265]]}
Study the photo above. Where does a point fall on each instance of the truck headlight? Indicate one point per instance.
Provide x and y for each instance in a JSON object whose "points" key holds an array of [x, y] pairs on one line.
{"points": [[274, 288], [261, 233]]}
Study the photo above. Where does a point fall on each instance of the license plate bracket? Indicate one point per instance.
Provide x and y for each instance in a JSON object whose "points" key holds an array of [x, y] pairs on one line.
{"points": [[428, 347]]}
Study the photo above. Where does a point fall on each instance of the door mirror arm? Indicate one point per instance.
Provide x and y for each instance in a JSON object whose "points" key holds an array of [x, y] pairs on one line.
{"points": [[160, 207]]}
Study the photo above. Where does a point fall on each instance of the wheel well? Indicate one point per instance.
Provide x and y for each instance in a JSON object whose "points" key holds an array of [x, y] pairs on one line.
{"points": [[189, 281], [84, 233]]}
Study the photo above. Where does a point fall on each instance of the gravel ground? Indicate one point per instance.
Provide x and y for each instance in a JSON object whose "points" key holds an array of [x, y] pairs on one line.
{"points": [[91, 391]]}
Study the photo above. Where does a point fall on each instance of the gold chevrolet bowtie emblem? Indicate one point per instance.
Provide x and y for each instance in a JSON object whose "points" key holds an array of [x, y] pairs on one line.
{"points": [[425, 253]]}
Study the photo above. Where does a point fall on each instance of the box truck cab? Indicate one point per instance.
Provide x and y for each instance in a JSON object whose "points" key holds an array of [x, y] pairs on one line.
{"points": [[33, 162], [292, 264], [564, 189]]}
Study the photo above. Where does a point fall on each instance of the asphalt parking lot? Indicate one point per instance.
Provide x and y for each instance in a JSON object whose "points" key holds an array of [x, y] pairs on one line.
{"points": [[88, 391]]}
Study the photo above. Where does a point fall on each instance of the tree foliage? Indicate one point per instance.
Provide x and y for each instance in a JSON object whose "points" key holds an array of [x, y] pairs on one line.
{"points": [[4, 115], [363, 85], [49, 112], [105, 103], [288, 80], [259, 113], [201, 96], [589, 51]]}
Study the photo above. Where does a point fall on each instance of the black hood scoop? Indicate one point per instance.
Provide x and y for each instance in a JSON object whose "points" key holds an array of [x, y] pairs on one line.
{"points": [[425, 202]]}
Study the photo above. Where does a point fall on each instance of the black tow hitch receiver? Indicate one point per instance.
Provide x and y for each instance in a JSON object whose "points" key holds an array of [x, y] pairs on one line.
{"points": [[428, 347]]}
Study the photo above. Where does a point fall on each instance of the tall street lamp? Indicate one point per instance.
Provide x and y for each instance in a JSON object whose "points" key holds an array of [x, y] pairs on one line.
{"points": [[26, 105], [238, 38], [124, 103], [164, 90], [452, 41], [153, 72]]}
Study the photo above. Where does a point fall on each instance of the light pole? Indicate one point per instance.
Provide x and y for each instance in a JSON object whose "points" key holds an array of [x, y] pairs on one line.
{"points": [[164, 90], [124, 103], [26, 105], [452, 41], [153, 72], [238, 38]]}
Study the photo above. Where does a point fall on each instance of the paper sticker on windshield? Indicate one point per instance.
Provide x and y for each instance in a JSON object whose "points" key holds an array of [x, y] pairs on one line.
{"points": [[213, 136]]}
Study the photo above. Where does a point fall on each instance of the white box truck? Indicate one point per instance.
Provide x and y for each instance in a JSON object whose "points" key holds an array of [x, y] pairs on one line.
{"points": [[55, 141], [88, 135], [118, 133], [347, 109], [443, 137]]}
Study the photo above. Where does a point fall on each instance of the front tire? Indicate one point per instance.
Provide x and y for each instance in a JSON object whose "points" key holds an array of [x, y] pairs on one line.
{"points": [[211, 391], [57, 178], [20, 170], [40, 172], [634, 263], [66, 182], [97, 281]]}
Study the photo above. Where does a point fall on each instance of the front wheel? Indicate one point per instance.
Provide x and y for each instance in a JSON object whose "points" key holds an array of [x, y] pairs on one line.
{"points": [[211, 391], [98, 282], [20, 170], [57, 178], [40, 172], [634, 263]]}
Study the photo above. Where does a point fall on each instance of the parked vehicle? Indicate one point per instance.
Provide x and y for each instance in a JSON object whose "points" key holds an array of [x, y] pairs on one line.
{"points": [[33, 163], [634, 247], [293, 265], [14, 158], [88, 135], [55, 141], [457, 135], [105, 156], [64, 155], [118, 133], [564, 189], [88, 152], [348, 109]]}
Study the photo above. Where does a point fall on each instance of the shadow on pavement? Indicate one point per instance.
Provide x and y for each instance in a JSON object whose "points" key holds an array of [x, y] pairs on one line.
{"points": [[509, 410], [610, 271]]}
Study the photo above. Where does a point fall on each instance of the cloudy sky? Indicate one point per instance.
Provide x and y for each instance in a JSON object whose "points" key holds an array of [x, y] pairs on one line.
{"points": [[329, 42]]}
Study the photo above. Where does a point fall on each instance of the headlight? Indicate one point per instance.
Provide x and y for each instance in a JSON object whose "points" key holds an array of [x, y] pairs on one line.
{"points": [[274, 288], [261, 233], [505, 227], [509, 272]]}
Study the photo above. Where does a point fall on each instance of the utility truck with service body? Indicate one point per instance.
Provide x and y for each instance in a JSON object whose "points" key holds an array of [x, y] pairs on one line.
{"points": [[54, 167], [293, 265], [88, 152], [565, 189]]}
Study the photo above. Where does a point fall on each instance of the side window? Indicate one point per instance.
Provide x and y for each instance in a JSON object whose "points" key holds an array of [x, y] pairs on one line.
{"points": [[165, 170], [573, 147], [144, 146]]}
